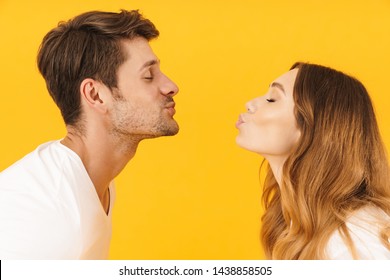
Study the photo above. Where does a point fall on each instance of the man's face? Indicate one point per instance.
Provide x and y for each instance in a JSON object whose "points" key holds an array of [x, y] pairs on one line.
{"points": [[145, 106]]}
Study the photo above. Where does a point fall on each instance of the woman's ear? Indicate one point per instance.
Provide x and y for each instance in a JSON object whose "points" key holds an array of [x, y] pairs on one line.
{"points": [[93, 94]]}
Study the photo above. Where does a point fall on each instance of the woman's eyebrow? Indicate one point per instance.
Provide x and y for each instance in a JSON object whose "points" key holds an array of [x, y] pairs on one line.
{"points": [[279, 86]]}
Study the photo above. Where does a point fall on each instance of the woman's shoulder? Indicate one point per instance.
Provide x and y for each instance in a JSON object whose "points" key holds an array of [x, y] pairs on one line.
{"points": [[364, 227]]}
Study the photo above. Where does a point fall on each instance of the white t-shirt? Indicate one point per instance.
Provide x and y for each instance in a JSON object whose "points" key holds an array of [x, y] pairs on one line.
{"points": [[364, 229], [49, 208]]}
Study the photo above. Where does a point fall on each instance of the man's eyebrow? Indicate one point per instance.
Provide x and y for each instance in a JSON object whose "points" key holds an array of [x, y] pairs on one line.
{"points": [[279, 86], [149, 63]]}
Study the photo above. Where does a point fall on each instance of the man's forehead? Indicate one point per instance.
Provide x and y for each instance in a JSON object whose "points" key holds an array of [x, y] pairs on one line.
{"points": [[149, 63], [139, 51]]}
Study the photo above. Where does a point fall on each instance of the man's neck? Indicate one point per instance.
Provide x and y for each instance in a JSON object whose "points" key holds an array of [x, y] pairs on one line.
{"points": [[103, 158]]}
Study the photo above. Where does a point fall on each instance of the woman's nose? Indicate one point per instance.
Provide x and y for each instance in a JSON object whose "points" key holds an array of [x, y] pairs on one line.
{"points": [[250, 107]]}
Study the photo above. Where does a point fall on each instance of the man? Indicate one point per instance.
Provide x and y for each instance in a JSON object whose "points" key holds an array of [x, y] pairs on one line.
{"points": [[56, 202]]}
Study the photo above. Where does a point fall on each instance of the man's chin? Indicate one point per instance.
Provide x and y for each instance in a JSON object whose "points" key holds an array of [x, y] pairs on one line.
{"points": [[171, 131], [167, 131]]}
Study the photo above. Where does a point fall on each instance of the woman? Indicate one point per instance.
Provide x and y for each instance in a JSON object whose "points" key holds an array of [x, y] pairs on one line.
{"points": [[327, 192]]}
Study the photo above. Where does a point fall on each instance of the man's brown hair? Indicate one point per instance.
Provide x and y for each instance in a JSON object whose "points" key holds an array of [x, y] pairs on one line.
{"points": [[87, 46]]}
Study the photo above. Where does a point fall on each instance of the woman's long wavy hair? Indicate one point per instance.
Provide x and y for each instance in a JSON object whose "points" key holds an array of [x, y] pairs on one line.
{"points": [[338, 166]]}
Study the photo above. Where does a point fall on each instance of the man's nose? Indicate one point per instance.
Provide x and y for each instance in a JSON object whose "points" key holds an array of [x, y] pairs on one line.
{"points": [[168, 87]]}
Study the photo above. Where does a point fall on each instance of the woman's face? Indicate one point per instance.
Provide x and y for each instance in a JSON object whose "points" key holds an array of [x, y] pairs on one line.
{"points": [[269, 126]]}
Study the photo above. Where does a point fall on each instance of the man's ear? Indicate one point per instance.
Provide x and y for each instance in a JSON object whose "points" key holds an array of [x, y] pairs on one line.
{"points": [[93, 94]]}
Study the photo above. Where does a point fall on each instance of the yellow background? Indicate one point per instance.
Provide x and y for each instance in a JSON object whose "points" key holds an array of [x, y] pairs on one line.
{"points": [[196, 195]]}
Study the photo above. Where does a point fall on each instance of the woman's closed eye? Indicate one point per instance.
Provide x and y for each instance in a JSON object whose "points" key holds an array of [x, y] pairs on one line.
{"points": [[270, 100]]}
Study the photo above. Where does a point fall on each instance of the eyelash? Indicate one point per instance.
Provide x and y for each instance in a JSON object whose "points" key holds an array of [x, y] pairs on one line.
{"points": [[270, 100]]}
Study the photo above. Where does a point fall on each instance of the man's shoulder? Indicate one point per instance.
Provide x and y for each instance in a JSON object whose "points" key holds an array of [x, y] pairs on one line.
{"points": [[47, 165], [36, 207]]}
